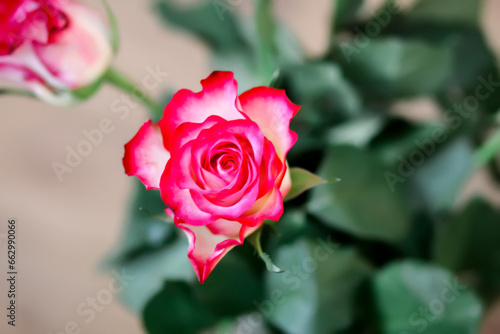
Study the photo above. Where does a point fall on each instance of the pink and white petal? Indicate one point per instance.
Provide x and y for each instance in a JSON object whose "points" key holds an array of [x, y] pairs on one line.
{"points": [[170, 213], [25, 56], [208, 244], [182, 204], [271, 169], [243, 204], [181, 169], [145, 156], [245, 134], [217, 98], [79, 54], [269, 207], [189, 131], [211, 180], [18, 74], [286, 184], [228, 228], [180, 199], [183, 192], [271, 109], [245, 178]]}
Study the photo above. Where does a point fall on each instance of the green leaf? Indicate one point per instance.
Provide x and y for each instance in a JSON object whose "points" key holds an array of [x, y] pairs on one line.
{"points": [[214, 22], [432, 162], [363, 203], [254, 239], [149, 249], [242, 325], [489, 150], [316, 293], [418, 241], [414, 297], [444, 172], [232, 286], [469, 242], [394, 67], [471, 53], [325, 96], [151, 270], [346, 13], [291, 226], [323, 85], [400, 137], [456, 244], [464, 12], [472, 58], [357, 132], [490, 105], [302, 180], [143, 232], [175, 310], [229, 291]]}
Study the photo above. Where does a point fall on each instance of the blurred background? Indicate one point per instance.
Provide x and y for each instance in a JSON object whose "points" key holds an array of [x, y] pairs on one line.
{"points": [[356, 98]]}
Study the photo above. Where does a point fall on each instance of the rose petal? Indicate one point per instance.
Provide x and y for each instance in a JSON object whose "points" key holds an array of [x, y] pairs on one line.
{"points": [[269, 207], [79, 54], [145, 156], [189, 131], [286, 184], [246, 199], [208, 244], [185, 193], [22, 75], [217, 98], [270, 169], [179, 199], [272, 111], [210, 193]]}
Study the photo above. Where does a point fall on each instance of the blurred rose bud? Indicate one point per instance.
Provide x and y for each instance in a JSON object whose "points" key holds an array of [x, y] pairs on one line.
{"points": [[56, 49]]}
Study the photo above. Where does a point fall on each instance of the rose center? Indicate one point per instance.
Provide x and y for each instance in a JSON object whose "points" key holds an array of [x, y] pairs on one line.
{"points": [[228, 165], [224, 163]]}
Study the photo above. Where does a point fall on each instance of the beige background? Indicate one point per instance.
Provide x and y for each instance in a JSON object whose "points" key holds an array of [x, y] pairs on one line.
{"points": [[65, 228]]}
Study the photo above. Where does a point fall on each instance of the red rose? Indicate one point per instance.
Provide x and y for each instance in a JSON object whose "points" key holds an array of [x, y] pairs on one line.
{"points": [[219, 160], [52, 47]]}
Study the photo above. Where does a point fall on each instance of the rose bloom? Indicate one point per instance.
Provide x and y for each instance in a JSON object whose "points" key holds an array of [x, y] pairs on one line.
{"points": [[219, 161], [52, 47]]}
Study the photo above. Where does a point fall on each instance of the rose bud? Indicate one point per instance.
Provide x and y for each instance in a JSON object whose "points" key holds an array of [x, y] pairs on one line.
{"points": [[53, 48], [219, 161]]}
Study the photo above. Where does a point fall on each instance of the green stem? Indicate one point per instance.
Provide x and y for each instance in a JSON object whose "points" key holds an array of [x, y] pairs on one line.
{"points": [[118, 80], [488, 151], [266, 31]]}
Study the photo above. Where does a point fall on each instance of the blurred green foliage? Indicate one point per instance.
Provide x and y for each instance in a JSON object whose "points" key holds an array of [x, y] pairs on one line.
{"points": [[386, 250]]}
